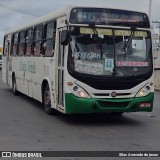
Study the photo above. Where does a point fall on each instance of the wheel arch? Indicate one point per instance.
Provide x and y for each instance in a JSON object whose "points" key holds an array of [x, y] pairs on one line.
{"points": [[13, 75], [14, 86]]}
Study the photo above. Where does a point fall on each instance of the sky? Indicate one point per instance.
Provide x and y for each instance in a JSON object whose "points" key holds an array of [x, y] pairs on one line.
{"points": [[14, 13]]}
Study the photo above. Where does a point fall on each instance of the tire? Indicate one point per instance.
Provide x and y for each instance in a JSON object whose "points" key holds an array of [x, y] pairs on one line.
{"points": [[47, 101], [14, 86]]}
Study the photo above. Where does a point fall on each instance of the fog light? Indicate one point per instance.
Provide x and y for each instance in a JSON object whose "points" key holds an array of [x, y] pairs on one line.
{"points": [[145, 105], [148, 88], [75, 88]]}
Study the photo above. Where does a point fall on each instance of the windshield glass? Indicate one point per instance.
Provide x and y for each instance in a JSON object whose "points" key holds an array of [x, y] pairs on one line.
{"points": [[105, 54]]}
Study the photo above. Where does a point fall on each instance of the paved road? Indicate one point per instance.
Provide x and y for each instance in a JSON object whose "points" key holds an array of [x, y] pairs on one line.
{"points": [[25, 126]]}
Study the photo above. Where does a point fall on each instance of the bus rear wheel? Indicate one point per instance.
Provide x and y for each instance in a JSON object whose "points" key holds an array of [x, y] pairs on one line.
{"points": [[47, 101], [14, 86]]}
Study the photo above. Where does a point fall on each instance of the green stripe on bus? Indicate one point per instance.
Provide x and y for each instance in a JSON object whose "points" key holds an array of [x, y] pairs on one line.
{"points": [[75, 104]]}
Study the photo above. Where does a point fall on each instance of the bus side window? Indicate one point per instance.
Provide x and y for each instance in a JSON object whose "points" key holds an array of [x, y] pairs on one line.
{"points": [[14, 44], [5, 47], [28, 42], [37, 40], [21, 43], [49, 39]]}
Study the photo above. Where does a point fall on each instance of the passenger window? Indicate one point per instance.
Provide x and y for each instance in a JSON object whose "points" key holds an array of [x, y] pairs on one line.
{"points": [[29, 40], [5, 47], [14, 44], [21, 43], [49, 39], [37, 40]]}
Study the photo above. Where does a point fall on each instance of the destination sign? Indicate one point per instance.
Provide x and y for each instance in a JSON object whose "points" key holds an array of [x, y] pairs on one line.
{"points": [[108, 32], [99, 31], [128, 33], [116, 17]]}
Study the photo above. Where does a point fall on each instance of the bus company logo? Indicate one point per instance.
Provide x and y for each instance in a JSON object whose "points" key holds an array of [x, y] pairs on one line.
{"points": [[113, 94], [6, 154]]}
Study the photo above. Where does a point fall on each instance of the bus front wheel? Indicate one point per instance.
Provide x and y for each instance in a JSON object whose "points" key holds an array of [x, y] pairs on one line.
{"points": [[47, 100]]}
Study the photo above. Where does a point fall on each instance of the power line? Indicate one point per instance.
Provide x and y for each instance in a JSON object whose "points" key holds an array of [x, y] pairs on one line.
{"points": [[19, 11]]}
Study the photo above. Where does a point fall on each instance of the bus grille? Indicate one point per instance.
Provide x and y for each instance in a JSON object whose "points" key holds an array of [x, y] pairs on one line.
{"points": [[113, 104], [107, 94]]}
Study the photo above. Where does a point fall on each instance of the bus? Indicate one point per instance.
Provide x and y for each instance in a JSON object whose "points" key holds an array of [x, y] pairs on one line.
{"points": [[83, 60]]}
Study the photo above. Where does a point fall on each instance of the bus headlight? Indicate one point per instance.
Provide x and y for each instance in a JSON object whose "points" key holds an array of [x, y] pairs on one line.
{"points": [[79, 92], [144, 91], [82, 94]]}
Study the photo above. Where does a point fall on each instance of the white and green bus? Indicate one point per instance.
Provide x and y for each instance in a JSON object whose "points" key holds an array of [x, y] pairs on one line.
{"points": [[83, 60]]}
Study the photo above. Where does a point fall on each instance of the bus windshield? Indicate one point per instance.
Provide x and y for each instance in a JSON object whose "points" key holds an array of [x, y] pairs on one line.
{"points": [[104, 54]]}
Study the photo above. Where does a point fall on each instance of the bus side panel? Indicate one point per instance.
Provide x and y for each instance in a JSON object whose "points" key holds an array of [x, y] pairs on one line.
{"points": [[6, 59], [17, 72], [30, 73], [30, 87], [35, 67]]}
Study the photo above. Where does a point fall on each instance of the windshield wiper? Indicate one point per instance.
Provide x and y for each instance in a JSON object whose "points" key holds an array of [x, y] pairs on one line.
{"points": [[126, 45], [96, 38]]}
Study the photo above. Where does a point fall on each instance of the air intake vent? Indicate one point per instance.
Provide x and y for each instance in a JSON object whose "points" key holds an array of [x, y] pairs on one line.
{"points": [[101, 94], [113, 104], [107, 94]]}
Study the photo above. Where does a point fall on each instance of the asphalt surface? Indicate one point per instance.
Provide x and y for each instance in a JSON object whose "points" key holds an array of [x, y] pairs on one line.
{"points": [[24, 126]]}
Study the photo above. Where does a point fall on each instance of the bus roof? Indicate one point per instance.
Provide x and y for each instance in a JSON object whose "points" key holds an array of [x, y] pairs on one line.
{"points": [[40, 20], [57, 14]]}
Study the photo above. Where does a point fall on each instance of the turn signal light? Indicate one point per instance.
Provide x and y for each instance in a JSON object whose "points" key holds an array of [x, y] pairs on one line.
{"points": [[69, 83], [151, 83]]}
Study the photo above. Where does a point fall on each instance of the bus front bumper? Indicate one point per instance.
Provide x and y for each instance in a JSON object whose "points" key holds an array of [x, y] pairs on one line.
{"points": [[77, 105]]}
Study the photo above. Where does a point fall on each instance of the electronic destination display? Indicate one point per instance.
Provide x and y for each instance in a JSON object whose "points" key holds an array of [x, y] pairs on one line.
{"points": [[116, 17]]}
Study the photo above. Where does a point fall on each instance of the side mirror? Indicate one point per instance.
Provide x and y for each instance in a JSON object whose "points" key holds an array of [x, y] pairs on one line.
{"points": [[64, 37]]}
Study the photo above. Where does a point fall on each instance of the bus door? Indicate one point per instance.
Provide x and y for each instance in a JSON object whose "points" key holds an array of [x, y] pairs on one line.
{"points": [[60, 76], [7, 62]]}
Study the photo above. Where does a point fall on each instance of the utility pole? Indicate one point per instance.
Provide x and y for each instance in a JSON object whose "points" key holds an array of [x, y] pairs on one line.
{"points": [[150, 9], [158, 22]]}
